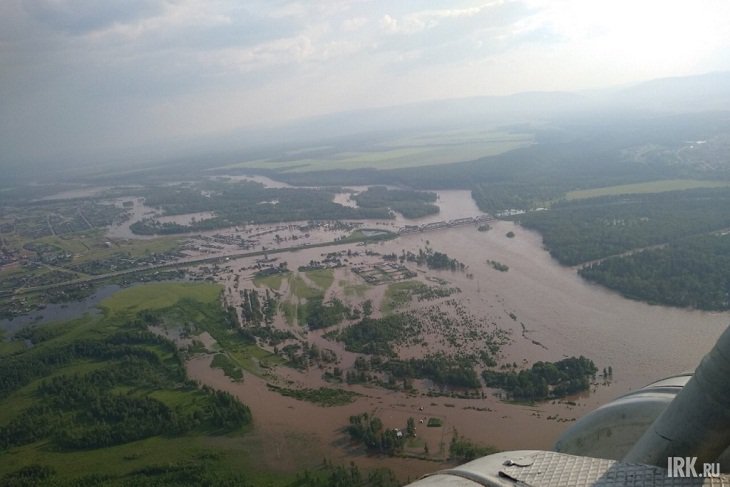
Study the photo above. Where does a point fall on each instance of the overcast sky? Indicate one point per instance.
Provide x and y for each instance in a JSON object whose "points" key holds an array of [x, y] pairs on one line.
{"points": [[79, 75]]}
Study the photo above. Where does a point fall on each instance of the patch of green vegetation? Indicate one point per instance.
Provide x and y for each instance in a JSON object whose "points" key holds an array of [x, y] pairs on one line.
{"points": [[647, 187], [399, 294], [376, 235], [464, 450], [10, 347], [324, 396], [407, 153], [368, 429], [323, 278], [236, 203], [584, 230], [290, 312], [434, 423], [255, 359], [222, 361], [439, 368], [163, 461], [378, 336], [411, 204], [272, 281], [299, 288], [318, 314], [693, 273], [160, 295], [544, 380], [358, 290], [498, 266], [100, 390]]}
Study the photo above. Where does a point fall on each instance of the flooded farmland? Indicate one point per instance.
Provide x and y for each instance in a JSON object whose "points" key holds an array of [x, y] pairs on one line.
{"points": [[548, 310]]}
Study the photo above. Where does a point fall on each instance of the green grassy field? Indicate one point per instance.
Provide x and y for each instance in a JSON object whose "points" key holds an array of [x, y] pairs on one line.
{"points": [[299, 288], [160, 295], [272, 282], [323, 278], [358, 290], [422, 150], [398, 294], [200, 453], [649, 187]]}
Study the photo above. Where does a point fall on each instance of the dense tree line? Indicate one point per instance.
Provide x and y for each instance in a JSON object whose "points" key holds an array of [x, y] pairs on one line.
{"points": [[694, 273], [200, 473], [584, 230], [19, 370], [443, 370], [168, 475], [83, 411], [544, 379], [340, 476]]}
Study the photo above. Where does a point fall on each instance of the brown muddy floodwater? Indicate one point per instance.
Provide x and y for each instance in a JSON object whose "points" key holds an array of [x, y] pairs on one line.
{"points": [[556, 314], [565, 314]]}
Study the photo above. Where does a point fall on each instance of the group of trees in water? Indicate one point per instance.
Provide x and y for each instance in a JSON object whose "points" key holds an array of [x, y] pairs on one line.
{"points": [[439, 368], [434, 259], [320, 314], [409, 203], [376, 336], [256, 310], [544, 380], [368, 429]]}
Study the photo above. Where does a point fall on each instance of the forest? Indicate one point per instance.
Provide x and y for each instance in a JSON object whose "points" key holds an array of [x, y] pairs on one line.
{"points": [[442, 370], [544, 380], [585, 230], [693, 272], [86, 411]]}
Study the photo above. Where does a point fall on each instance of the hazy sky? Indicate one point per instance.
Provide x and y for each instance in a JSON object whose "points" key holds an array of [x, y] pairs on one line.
{"points": [[78, 75]]}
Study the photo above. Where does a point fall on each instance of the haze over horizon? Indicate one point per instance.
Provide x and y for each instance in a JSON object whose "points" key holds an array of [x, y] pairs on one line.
{"points": [[83, 77]]}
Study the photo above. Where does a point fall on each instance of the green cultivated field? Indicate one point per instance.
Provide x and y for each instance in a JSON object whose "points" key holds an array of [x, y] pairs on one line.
{"points": [[423, 150], [160, 295], [650, 187], [272, 282]]}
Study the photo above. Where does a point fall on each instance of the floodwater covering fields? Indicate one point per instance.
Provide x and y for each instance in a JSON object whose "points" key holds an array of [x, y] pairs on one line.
{"points": [[547, 311]]}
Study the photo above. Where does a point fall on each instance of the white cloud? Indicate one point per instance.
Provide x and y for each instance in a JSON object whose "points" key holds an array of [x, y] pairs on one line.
{"points": [[228, 63]]}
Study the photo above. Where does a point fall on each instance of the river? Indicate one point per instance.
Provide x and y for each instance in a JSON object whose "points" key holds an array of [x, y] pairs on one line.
{"points": [[563, 313]]}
